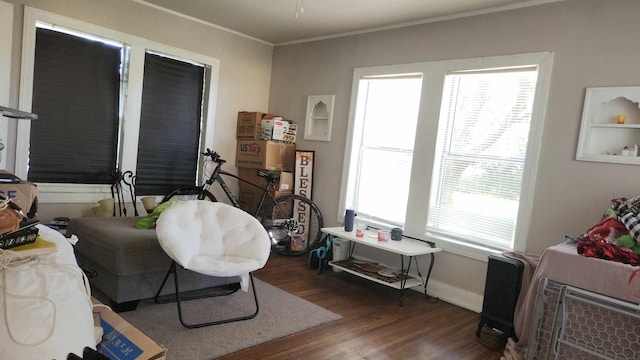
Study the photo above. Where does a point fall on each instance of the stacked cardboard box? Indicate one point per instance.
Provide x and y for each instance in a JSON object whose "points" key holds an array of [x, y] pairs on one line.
{"points": [[22, 193], [250, 123], [264, 126], [249, 195], [277, 129], [255, 154], [265, 155]]}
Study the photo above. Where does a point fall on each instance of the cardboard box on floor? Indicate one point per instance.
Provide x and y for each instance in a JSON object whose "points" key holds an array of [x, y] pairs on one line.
{"points": [[267, 155], [284, 185], [249, 196], [121, 340], [23, 193], [249, 124]]}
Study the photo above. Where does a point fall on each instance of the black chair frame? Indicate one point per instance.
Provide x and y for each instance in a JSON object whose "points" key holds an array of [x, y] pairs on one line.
{"points": [[178, 298]]}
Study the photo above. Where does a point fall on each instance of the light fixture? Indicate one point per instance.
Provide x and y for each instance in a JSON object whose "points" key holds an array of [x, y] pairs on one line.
{"points": [[17, 114]]}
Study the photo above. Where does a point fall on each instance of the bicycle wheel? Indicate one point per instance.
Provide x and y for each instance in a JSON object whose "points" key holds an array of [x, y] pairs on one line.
{"points": [[190, 194], [293, 223]]}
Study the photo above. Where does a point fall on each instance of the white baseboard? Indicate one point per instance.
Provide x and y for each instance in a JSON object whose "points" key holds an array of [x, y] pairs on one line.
{"points": [[453, 295]]}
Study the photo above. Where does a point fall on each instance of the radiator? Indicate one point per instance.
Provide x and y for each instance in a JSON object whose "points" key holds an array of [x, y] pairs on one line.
{"points": [[501, 290]]}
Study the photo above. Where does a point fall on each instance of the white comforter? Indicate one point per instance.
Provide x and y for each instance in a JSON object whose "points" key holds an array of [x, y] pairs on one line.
{"points": [[45, 311]]}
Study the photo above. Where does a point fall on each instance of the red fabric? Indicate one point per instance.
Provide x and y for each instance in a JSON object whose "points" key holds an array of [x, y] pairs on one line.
{"points": [[603, 250], [601, 230]]}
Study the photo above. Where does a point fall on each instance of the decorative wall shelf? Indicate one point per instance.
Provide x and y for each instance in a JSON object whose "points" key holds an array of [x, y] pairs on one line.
{"points": [[319, 117], [602, 138]]}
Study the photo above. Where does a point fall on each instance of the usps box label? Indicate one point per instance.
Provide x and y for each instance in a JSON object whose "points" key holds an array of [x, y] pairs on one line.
{"points": [[117, 346]]}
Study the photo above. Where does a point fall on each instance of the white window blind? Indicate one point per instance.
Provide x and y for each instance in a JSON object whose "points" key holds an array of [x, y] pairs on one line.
{"points": [[480, 154]]}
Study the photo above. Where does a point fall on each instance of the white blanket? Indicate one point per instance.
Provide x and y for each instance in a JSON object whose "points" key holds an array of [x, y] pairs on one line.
{"points": [[45, 311]]}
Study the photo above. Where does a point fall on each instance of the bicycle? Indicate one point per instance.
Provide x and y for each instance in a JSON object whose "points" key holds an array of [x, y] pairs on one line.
{"points": [[293, 222]]}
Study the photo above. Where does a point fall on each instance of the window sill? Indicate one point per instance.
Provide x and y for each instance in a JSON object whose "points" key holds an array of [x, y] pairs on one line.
{"points": [[446, 243], [72, 193], [473, 251]]}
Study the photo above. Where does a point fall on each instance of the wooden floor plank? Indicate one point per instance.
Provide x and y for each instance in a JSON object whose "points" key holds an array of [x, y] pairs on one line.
{"points": [[373, 326]]}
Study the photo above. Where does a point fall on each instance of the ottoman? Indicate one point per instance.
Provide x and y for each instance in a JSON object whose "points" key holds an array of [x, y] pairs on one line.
{"points": [[127, 263]]}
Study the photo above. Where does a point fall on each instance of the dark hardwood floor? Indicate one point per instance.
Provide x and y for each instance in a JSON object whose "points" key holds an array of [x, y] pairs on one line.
{"points": [[373, 326]]}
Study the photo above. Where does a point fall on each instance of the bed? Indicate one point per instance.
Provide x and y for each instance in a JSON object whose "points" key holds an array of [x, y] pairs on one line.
{"points": [[608, 281], [45, 308]]}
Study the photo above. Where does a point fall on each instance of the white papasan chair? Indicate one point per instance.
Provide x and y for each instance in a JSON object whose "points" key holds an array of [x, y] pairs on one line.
{"points": [[215, 239]]}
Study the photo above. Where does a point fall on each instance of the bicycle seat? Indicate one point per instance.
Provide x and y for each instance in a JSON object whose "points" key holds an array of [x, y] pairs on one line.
{"points": [[271, 177]]}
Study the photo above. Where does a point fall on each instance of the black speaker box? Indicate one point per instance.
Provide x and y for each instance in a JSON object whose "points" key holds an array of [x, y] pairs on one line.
{"points": [[502, 287]]}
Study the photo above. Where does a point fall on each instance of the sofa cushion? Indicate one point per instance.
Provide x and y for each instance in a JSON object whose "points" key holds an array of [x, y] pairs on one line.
{"points": [[117, 245]]}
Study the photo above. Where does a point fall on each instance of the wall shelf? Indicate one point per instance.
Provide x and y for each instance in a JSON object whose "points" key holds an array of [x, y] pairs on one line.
{"points": [[602, 138], [319, 118]]}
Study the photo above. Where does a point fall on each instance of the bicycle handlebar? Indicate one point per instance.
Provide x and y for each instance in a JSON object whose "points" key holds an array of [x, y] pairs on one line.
{"points": [[214, 156]]}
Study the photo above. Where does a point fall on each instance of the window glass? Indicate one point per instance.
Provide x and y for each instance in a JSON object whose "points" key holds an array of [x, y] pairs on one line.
{"points": [[389, 114], [477, 177]]}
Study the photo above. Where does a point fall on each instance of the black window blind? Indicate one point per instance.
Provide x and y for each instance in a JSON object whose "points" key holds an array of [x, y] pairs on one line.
{"points": [[76, 96], [169, 125]]}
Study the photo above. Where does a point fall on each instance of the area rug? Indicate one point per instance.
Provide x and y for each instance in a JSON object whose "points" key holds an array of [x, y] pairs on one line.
{"points": [[281, 314]]}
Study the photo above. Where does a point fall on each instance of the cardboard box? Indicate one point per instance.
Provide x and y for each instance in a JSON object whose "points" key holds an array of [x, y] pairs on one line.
{"points": [[249, 196], [277, 129], [290, 134], [24, 194], [249, 124], [266, 155], [121, 340], [250, 174]]}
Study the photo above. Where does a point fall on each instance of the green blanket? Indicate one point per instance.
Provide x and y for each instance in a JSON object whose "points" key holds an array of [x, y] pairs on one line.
{"points": [[150, 220]]}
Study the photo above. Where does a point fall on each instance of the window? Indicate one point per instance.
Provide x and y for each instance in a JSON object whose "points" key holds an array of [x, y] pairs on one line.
{"points": [[388, 112], [76, 91], [448, 150], [480, 154], [145, 107], [169, 125]]}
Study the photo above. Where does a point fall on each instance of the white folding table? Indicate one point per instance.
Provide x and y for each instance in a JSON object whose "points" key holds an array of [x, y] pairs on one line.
{"points": [[407, 247]]}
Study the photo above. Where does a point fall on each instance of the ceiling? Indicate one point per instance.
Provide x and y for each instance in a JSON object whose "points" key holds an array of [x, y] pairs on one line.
{"points": [[287, 21]]}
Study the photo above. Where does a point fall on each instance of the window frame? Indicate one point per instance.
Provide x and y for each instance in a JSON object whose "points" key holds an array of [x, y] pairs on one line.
{"points": [[130, 123], [426, 135]]}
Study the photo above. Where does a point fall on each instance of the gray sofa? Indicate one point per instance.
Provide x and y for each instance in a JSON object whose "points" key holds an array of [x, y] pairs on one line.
{"points": [[127, 263]]}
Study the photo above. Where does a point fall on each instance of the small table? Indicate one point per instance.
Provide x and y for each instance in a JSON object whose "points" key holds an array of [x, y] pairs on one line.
{"points": [[406, 247]]}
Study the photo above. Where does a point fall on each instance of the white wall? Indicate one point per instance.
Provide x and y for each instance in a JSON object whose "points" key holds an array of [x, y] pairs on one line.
{"points": [[594, 44], [245, 64], [6, 27]]}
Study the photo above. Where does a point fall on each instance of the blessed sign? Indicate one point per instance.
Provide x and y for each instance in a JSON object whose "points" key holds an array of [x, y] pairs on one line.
{"points": [[304, 173], [303, 182]]}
